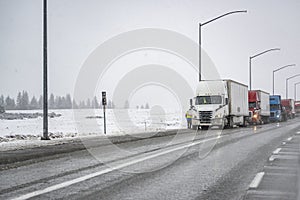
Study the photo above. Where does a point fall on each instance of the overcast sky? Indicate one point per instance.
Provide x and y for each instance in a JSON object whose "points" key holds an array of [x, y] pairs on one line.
{"points": [[77, 27]]}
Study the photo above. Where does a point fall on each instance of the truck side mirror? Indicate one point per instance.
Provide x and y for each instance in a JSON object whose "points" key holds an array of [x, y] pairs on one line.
{"points": [[191, 103]]}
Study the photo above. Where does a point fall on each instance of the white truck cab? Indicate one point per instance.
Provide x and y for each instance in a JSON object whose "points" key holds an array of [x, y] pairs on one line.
{"points": [[220, 103]]}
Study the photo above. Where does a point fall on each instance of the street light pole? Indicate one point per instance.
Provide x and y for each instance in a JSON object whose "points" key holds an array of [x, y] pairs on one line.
{"points": [[207, 22], [295, 87], [250, 60], [45, 77], [276, 70], [286, 84]]}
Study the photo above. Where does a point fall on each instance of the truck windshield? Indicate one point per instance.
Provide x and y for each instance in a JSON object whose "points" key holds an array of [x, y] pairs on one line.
{"points": [[252, 104], [208, 100]]}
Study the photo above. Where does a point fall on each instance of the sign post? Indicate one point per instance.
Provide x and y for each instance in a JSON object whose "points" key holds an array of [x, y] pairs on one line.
{"points": [[104, 105]]}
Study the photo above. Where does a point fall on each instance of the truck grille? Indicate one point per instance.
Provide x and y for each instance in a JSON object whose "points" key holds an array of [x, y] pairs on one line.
{"points": [[272, 114], [205, 116]]}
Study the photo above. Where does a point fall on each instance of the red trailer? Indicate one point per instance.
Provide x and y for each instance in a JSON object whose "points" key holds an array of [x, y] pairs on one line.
{"points": [[297, 107], [289, 106], [259, 107]]}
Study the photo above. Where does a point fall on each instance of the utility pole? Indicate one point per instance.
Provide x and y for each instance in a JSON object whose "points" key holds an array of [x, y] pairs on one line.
{"points": [[45, 77]]}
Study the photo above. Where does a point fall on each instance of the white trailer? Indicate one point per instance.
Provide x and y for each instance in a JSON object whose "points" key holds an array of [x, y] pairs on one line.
{"points": [[220, 103], [264, 105]]}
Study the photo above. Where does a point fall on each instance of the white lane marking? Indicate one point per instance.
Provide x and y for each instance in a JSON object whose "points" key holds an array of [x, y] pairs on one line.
{"points": [[95, 174], [283, 143], [272, 158], [256, 181], [289, 139], [276, 151], [298, 132]]}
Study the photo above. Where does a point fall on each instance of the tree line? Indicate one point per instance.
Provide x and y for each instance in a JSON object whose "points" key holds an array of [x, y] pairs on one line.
{"points": [[24, 102]]}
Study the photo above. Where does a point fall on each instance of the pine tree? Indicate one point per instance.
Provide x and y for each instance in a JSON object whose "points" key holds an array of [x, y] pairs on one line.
{"points": [[41, 102], [58, 103], [95, 103], [19, 100], [63, 103], [147, 106], [68, 101], [24, 101], [33, 103], [2, 100], [51, 102], [9, 103], [88, 103]]}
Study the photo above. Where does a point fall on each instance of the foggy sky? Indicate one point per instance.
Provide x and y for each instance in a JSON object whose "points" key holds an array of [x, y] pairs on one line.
{"points": [[77, 27]]}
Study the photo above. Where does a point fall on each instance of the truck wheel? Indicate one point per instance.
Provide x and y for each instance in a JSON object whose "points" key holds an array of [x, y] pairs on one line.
{"points": [[245, 122], [204, 127], [231, 123], [194, 127]]}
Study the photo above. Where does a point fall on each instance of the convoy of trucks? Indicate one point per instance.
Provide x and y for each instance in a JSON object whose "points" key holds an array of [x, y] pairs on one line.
{"points": [[227, 103], [259, 107], [221, 103]]}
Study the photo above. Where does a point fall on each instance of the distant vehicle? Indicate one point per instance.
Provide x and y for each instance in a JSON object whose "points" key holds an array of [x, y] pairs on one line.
{"points": [[297, 108], [221, 103], [278, 112], [2, 110], [259, 107], [289, 106]]}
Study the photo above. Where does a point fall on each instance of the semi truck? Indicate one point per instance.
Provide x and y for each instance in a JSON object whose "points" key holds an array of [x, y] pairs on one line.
{"points": [[259, 107], [297, 108], [221, 103], [277, 112], [289, 106]]}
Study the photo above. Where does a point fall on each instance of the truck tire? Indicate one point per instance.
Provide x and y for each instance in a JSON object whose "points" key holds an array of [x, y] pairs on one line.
{"points": [[231, 122], [194, 127], [204, 127], [245, 122]]}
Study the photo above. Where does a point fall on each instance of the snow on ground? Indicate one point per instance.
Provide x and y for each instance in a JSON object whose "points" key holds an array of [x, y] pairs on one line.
{"points": [[85, 122]]}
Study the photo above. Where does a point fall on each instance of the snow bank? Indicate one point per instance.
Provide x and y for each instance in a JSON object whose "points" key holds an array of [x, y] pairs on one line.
{"points": [[85, 122]]}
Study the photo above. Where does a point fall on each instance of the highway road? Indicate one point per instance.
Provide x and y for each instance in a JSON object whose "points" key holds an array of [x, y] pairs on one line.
{"points": [[239, 163]]}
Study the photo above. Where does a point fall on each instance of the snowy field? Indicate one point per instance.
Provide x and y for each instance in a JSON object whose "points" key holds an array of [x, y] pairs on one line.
{"points": [[84, 122]]}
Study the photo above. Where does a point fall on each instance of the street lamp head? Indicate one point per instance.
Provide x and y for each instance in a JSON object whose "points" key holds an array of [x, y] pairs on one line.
{"points": [[250, 60], [266, 51], [291, 65], [229, 13], [293, 77]]}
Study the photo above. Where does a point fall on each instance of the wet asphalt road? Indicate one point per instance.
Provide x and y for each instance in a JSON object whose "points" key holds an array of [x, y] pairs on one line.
{"points": [[191, 165]]}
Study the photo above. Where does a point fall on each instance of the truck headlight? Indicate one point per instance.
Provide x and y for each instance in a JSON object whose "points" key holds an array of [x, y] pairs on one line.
{"points": [[219, 115]]}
